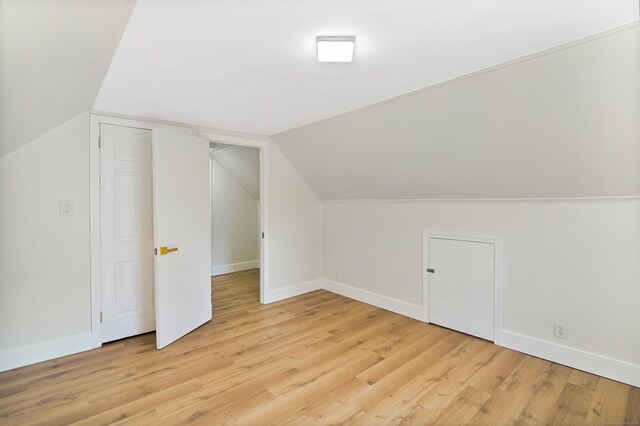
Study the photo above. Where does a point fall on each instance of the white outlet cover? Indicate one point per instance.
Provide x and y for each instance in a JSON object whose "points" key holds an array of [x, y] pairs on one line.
{"points": [[66, 208], [561, 330]]}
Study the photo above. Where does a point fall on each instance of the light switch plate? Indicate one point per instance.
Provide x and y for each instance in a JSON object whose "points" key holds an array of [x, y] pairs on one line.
{"points": [[66, 208]]}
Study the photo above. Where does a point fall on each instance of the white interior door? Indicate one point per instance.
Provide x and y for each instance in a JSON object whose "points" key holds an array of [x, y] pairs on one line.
{"points": [[182, 235], [461, 285], [126, 235]]}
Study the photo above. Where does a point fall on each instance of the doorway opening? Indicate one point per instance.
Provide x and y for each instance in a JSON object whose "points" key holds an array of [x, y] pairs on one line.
{"points": [[236, 231], [151, 221]]}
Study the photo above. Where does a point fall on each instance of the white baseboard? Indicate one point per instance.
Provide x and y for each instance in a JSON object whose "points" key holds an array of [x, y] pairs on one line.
{"points": [[291, 291], [234, 267], [590, 362], [388, 303], [601, 365], [25, 355]]}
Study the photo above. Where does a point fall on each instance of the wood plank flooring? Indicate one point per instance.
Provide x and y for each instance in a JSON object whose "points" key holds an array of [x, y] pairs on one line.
{"points": [[315, 359]]}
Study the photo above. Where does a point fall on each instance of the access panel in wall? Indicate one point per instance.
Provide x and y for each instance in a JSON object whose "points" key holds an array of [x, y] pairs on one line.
{"points": [[460, 283]]}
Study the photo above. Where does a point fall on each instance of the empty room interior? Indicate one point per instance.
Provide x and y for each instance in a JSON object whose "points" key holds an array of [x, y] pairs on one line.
{"points": [[320, 212]]}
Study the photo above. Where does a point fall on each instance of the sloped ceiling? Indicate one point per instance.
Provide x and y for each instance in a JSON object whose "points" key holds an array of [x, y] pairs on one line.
{"points": [[250, 66], [243, 164], [53, 58], [563, 124]]}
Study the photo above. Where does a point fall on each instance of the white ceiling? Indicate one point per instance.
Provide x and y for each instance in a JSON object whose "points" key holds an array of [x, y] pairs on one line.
{"points": [[53, 58], [250, 66], [563, 124], [243, 164]]}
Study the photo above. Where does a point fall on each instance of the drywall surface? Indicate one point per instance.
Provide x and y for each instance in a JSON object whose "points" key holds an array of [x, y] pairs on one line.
{"points": [[295, 226], [45, 305], [251, 66], [44, 258], [564, 124], [53, 58], [569, 261], [243, 164], [234, 217]]}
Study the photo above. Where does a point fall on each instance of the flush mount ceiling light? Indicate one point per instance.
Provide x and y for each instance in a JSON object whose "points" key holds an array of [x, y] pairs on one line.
{"points": [[335, 48]]}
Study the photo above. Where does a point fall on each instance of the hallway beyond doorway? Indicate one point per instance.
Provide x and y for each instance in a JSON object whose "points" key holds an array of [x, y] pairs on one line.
{"points": [[235, 291]]}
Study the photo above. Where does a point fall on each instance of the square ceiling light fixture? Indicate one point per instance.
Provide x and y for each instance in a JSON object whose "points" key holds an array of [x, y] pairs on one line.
{"points": [[335, 48]]}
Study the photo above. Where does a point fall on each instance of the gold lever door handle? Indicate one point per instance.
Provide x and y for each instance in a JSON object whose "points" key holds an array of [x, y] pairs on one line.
{"points": [[166, 250]]}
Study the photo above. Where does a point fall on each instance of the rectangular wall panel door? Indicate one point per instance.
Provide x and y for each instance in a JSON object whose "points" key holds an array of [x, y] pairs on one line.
{"points": [[182, 220], [126, 234], [461, 285]]}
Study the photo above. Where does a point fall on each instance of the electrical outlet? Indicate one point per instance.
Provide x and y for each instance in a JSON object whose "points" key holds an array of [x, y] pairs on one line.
{"points": [[66, 208], [561, 330]]}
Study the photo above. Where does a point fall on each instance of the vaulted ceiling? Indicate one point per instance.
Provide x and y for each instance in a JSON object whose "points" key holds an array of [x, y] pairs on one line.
{"points": [[243, 164], [250, 66], [560, 124], [53, 58]]}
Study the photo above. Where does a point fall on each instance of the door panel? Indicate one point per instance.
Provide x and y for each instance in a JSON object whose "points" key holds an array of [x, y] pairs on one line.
{"points": [[126, 245], [461, 288], [182, 221]]}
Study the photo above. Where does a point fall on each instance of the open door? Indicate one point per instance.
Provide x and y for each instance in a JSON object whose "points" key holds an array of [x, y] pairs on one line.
{"points": [[182, 234]]}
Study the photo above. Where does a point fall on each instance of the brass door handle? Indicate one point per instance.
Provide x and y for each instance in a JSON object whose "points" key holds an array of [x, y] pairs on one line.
{"points": [[166, 250]]}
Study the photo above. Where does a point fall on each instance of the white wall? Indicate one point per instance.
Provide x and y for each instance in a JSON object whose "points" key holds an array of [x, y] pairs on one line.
{"points": [[45, 304], [570, 261], [234, 217], [295, 231], [44, 258], [243, 164]]}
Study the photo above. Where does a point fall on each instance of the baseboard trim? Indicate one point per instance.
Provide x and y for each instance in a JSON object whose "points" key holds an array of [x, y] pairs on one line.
{"points": [[601, 365], [31, 354], [292, 291], [234, 267], [590, 362], [388, 303]]}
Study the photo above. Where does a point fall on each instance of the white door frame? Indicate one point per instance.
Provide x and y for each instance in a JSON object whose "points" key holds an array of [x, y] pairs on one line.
{"points": [[94, 199], [263, 146], [497, 242]]}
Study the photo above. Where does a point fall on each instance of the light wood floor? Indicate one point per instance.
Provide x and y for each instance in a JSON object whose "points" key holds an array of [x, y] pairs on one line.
{"points": [[314, 359]]}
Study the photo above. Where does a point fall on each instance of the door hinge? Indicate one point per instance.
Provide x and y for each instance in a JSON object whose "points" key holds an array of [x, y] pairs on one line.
{"points": [[431, 270], [101, 316], [263, 235], [99, 142], [155, 251]]}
